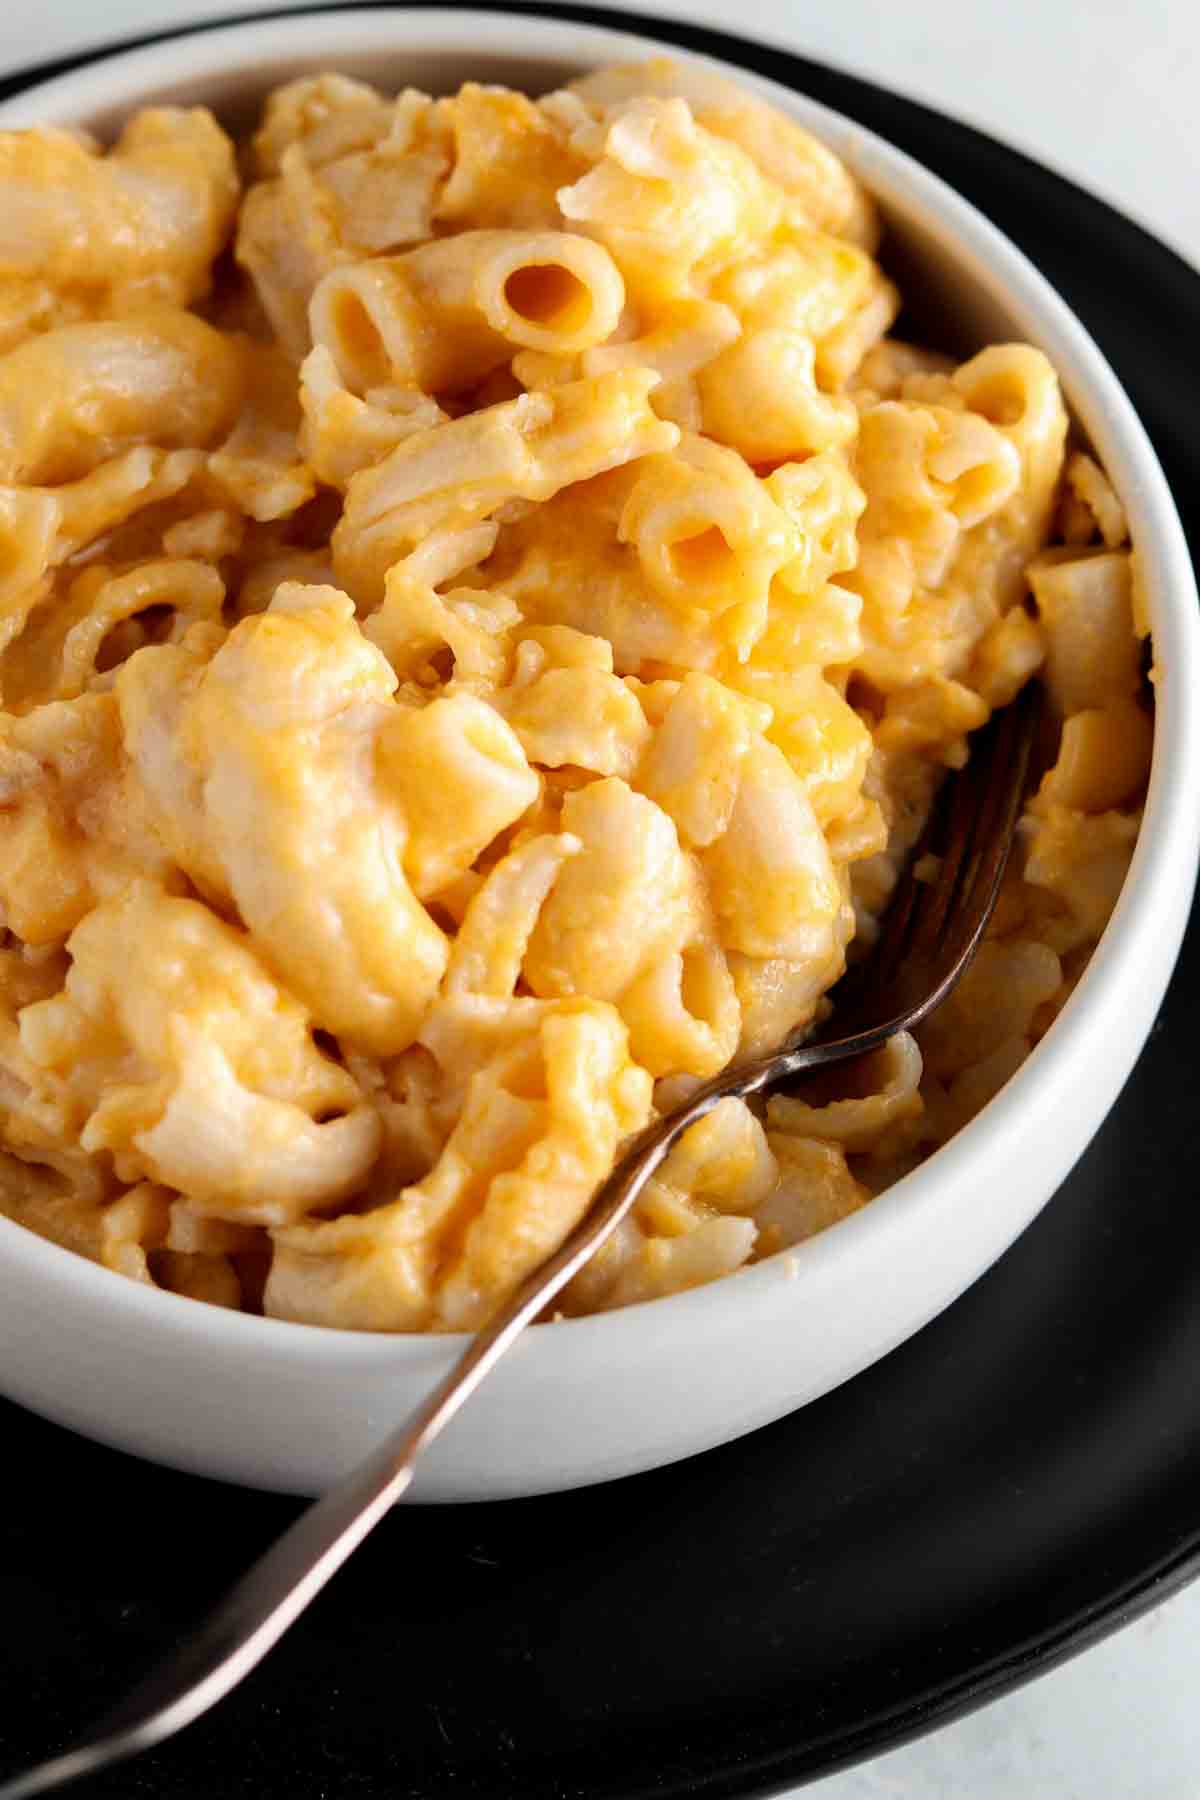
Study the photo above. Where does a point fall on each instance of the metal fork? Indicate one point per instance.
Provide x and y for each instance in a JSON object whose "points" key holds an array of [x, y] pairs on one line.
{"points": [[931, 930]]}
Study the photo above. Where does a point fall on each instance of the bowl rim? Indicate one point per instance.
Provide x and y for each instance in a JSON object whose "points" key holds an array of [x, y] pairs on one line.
{"points": [[1162, 872]]}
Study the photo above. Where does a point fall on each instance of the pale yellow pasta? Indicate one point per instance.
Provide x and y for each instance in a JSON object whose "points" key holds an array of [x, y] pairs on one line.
{"points": [[72, 398], [761, 397], [857, 1122], [628, 897], [523, 449], [43, 528], [682, 1011], [343, 433], [815, 1189], [74, 826], [140, 226], [354, 943], [460, 777], [670, 1265], [1093, 504], [349, 174], [146, 1050], [443, 316], [260, 467], [1086, 613], [789, 156], [510, 159], [709, 537], [769, 872], [485, 610], [670, 200], [574, 710], [683, 339], [491, 943], [693, 768]]}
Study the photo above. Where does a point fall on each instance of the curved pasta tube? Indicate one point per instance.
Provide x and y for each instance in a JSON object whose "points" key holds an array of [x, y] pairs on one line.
{"points": [[492, 940], [824, 502], [671, 1265], [628, 897], [929, 474], [826, 743], [564, 564], [342, 433], [708, 535], [286, 242], [1085, 610], [817, 181], [524, 449], [934, 714], [155, 691], [683, 1012], [509, 157], [761, 398], [669, 199], [191, 1065], [71, 399], [285, 724], [98, 601], [769, 874], [890, 1094], [778, 995], [73, 824], [1094, 504], [594, 1097], [1080, 861], [141, 224], [802, 281], [443, 316], [459, 776], [28, 530], [996, 1000], [539, 1128], [814, 1190], [259, 466], [415, 623], [268, 1162], [681, 338], [350, 175], [1014, 387], [1103, 758], [693, 766], [42, 528], [723, 1162], [575, 710], [1009, 652]]}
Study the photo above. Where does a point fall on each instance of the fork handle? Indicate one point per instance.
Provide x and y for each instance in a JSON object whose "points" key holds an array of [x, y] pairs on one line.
{"points": [[276, 1589]]}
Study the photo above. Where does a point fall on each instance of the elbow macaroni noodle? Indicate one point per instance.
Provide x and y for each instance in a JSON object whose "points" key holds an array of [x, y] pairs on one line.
{"points": [[474, 662]]}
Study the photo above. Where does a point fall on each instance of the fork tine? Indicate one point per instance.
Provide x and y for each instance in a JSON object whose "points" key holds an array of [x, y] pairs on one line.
{"points": [[931, 930], [953, 837], [1008, 781], [1008, 766], [918, 909], [979, 824]]}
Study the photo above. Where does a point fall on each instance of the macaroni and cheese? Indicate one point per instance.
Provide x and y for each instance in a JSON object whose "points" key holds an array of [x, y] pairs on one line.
{"points": [[485, 603]]}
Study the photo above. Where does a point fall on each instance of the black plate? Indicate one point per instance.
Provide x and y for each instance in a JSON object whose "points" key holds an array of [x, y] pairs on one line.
{"points": [[1007, 1487]]}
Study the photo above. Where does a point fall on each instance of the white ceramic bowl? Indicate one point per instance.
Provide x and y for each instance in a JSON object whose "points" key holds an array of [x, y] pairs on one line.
{"points": [[286, 1406]]}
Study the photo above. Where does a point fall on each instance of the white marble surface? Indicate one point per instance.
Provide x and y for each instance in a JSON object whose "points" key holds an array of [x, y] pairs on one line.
{"points": [[1105, 90]]}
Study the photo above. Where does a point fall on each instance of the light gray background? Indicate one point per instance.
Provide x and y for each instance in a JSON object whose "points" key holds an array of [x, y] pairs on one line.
{"points": [[1107, 91]]}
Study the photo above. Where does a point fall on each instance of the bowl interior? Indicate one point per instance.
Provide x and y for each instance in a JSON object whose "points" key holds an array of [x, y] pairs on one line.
{"points": [[950, 264]]}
